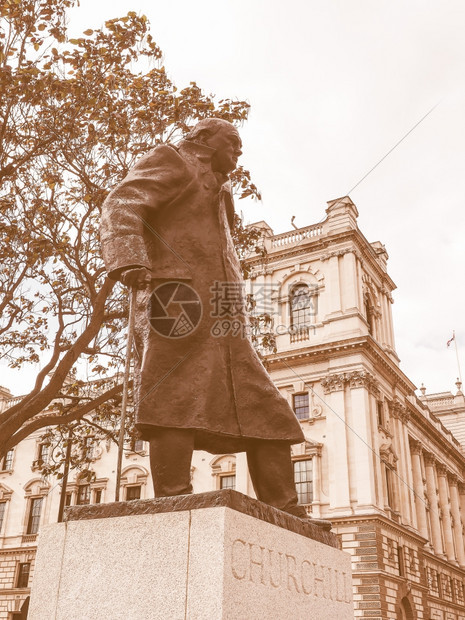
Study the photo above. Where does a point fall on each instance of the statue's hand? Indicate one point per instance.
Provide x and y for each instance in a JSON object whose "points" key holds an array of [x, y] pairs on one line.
{"points": [[137, 277]]}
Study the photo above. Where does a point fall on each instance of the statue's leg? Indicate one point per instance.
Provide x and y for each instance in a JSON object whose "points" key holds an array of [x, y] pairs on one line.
{"points": [[170, 461], [272, 474]]}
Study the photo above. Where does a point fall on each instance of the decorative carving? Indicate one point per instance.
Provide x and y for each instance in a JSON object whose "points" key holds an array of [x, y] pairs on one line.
{"points": [[405, 416], [416, 447], [334, 383], [441, 469], [453, 479], [398, 410], [355, 379], [430, 459], [391, 546], [5, 492], [388, 454]]}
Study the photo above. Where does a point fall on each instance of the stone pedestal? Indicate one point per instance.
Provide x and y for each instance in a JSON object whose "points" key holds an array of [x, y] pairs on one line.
{"points": [[212, 556]]}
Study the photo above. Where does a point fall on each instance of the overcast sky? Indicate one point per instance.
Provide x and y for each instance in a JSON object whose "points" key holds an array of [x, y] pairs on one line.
{"points": [[334, 85]]}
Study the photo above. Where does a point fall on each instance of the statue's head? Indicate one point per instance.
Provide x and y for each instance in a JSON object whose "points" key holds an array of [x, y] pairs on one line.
{"points": [[221, 136]]}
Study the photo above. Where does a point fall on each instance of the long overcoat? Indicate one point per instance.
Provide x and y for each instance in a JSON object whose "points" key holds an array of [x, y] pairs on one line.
{"points": [[173, 215]]}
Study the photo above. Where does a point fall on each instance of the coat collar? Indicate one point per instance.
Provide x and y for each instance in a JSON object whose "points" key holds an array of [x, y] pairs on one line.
{"points": [[202, 155]]}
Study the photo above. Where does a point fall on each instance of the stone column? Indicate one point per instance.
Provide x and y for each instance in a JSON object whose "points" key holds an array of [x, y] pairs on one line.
{"points": [[419, 489], [384, 320], [408, 468], [361, 454], [461, 490], [339, 494], [433, 502], [399, 419], [350, 282], [316, 504], [334, 287], [455, 508], [390, 325], [378, 472], [445, 509]]}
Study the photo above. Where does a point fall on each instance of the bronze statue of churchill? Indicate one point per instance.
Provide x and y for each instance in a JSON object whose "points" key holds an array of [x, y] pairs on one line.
{"points": [[166, 228]]}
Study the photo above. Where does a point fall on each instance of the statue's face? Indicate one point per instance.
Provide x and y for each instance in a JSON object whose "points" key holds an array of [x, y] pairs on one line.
{"points": [[227, 144]]}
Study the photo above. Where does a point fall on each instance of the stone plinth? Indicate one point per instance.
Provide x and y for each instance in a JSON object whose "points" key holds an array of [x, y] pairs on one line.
{"points": [[212, 556]]}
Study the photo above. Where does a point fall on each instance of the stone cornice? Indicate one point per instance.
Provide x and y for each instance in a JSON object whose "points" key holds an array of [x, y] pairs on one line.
{"points": [[28, 551], [430, 430], [319, 244], [341, 252], [385, 368], [366, 344], [380, 520]]}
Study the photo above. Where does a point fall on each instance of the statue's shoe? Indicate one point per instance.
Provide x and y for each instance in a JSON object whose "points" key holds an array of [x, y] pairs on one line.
{"points": [[323, 523], [301, 513]]}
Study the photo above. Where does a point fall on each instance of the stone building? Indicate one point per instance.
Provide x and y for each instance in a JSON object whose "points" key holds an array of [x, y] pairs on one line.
{"points": [[378, 461]]}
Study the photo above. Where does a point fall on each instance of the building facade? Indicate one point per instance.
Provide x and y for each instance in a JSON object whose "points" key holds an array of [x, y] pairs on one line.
{"points": [[385, 466]]}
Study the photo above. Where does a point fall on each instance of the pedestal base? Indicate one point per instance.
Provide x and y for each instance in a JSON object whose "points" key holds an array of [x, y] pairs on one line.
{"points": [[212, 556]]}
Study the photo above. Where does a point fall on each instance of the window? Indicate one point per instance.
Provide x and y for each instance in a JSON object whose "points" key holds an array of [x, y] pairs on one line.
{"points": [[42, 453], [2, 514], [380, 412], [133, 492], [68, 497], [301, 306], [224, 472], [23, 575], [303, 478], [7, 461], [301, 406], [88, 449], [83, 494], [138, 445], [98, 496], [35, 508], [402, 560], [228, 482], [389, 489]]}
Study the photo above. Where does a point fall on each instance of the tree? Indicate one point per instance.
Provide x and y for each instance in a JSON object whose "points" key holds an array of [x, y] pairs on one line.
{"points": [[74, 117]]}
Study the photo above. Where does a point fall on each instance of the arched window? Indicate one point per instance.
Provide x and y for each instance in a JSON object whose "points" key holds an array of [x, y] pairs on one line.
{"points": [[302, 306], [134, 482], [224, 472], [35, 493], [5, 496]]}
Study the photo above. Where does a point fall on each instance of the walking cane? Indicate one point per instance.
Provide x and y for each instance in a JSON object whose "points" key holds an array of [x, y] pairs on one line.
{"points": [[124, 402]]}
